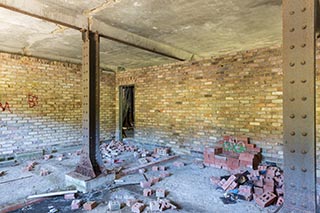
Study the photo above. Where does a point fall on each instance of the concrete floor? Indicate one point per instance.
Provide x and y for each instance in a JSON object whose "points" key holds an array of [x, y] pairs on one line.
{"points": [[188, 187]]}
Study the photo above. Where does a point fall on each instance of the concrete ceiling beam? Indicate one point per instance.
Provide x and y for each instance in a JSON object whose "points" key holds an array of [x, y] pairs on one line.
{"points": [[42, 11], [140, 42]]}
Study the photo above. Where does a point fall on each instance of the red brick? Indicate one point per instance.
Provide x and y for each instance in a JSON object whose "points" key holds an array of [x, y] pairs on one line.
{"points": [[137, 207], [266, 199], [280, 201], [70, 196], [89, 205], [145, 184], [230, 180], [147, 192], [76, 204], [258, 190]]}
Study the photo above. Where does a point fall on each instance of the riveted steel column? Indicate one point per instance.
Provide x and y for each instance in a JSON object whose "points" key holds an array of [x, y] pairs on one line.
{"points": [[299, 105], [90, 164]]}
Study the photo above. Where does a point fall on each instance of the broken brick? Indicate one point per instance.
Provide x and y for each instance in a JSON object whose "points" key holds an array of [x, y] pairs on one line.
{"points": [[89, 205], [162, 168], [145, 184], [266, 199], [154, 180], [280, 201], [155, 168], [76, 204], [137, 207], [44, 172], [147, 192], [70, 196]]}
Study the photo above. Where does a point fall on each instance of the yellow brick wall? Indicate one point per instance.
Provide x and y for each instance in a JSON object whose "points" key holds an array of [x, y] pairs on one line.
{"points": [[190, 105], [57, 117]]}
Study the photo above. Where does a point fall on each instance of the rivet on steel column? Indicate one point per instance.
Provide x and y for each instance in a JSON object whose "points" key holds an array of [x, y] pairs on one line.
{"points": [[299, 60]]}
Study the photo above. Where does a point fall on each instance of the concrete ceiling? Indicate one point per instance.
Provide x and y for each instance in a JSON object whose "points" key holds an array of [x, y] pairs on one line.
{"points": [[206, 28]]}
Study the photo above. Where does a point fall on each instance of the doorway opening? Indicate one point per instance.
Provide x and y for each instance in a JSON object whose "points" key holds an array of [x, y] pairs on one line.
{"points": [[127, 108]]}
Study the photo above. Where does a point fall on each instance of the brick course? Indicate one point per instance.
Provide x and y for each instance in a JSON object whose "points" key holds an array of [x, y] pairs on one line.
{"points": [[190, 105], [57, 116]]}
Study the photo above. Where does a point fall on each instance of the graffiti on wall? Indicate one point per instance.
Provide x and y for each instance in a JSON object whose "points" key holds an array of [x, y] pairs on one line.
{"points": [[32, 100], [5, 107]]}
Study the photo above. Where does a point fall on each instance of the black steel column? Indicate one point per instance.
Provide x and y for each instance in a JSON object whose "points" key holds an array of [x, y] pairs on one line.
{"points": [[90, 164], [299, 105]]}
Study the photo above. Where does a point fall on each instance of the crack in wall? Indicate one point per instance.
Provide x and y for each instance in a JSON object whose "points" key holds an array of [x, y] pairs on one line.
{"points": [[99, 8]]}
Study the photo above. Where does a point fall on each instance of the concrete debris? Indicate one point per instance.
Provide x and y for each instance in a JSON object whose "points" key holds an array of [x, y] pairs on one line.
{"points": [[89, 205], [114, 205], [162, 151]]}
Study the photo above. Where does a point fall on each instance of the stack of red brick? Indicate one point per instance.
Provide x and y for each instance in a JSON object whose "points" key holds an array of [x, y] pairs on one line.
{"points": [[264, 185], [233, 153]]}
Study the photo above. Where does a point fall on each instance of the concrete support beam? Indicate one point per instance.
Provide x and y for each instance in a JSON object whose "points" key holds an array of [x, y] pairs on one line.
{"points": [[140, 42], [42, 11]]}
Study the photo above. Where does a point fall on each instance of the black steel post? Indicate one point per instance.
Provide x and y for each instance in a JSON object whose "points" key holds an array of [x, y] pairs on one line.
{"points": [[90, 164]]}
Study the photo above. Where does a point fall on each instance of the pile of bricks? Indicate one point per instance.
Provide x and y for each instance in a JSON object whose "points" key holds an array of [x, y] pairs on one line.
{"points": [[114, 148], [264, 185], [233, 153]]}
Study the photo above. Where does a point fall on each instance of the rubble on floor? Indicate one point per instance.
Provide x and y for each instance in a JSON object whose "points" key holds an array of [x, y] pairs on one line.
{"points": [[264, 185]]}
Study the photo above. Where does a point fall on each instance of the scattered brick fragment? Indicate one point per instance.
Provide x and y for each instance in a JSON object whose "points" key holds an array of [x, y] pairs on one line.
{"points": [[130, 202], [137, 207], [70, 196], [44, 172], [280, 201], [89, 205], [76, 204], [162, 168], [145, 184], [147, 192], [154, 180], [155, 168], [230, 180]]}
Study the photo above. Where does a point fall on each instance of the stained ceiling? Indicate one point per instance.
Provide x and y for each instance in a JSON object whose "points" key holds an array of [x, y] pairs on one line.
{"points": [[206, 28]]}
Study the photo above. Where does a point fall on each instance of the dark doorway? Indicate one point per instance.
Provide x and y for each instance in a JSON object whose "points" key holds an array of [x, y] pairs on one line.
{"points": [[127, 122]]}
